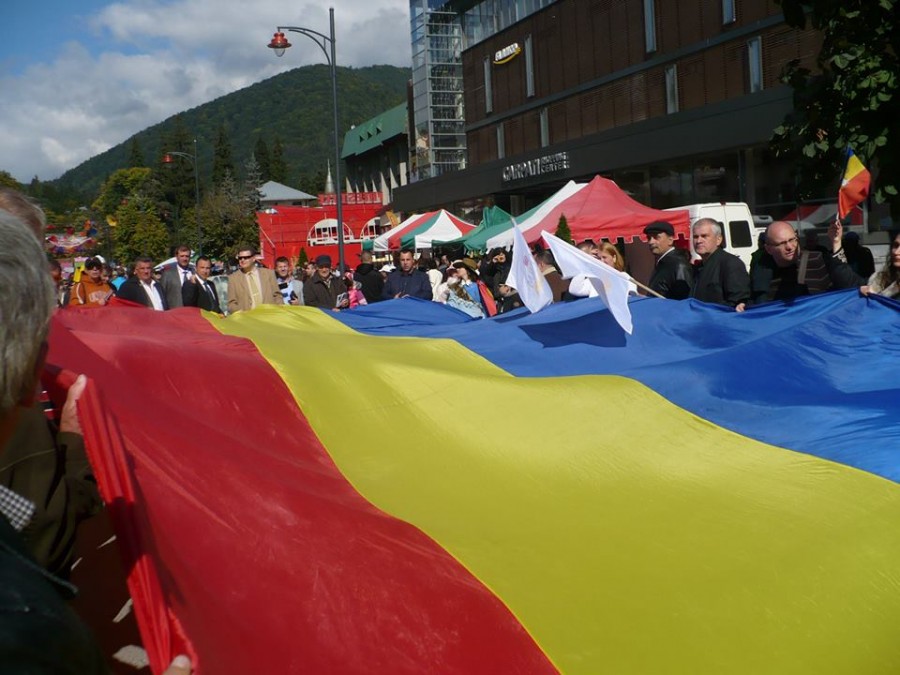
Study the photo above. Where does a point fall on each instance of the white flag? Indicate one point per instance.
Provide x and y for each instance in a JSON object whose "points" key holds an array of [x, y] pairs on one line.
{"points": [[611, 285], [525, 276]]}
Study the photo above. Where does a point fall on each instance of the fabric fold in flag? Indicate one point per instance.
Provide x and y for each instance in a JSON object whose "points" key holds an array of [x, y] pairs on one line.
{"points": [[854, 184]]}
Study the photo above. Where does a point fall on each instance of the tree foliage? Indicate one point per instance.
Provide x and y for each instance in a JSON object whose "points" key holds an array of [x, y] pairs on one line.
{"points": [[229, 220], [176, 177], [563, 231], [277, 166], [852, 100], [252, 182], [222, 160], [261, 153], [62, 203], [7, 180], [139, 231], [130, 199], [123, 186], [135, 154], [312, 182]]}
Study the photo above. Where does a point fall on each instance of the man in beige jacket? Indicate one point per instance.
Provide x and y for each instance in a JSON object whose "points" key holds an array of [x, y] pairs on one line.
{"points": [[251, 286]]}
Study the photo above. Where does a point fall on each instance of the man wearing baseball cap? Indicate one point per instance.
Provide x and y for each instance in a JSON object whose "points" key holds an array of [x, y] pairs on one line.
{"points": [[672, 277]]}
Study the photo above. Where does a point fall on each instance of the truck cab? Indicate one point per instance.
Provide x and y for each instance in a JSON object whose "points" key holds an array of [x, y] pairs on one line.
{"points": [[740, 231]]}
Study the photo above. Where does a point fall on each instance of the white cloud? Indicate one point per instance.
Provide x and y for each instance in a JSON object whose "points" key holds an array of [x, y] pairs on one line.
{"points": [[160, 58]]}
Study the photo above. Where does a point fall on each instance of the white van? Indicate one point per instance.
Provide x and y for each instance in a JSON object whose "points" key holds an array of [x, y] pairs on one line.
{"points": [[739, 229]]}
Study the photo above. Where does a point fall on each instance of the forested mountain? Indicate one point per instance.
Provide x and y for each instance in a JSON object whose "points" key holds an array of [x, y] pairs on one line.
{"points": [[292, 110]]}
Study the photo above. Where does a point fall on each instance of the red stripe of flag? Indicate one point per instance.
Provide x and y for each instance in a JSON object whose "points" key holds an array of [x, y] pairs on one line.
{"points": [[854, 185]]}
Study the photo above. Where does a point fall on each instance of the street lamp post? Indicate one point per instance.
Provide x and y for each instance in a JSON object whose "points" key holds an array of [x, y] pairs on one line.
{"points": [[279, 43], [168, 159]]}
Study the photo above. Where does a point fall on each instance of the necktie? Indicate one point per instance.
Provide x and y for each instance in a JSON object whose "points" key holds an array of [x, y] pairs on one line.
{"points": [[184, 276], [255, 292]]}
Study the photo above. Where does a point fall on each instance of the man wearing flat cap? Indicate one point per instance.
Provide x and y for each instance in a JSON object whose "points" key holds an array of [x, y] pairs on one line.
{"points": [[672, 277], [251, 286], [323, 289]]}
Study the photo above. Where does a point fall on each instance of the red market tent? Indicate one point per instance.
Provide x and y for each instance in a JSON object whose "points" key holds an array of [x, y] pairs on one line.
{"points": [[601, 210]]}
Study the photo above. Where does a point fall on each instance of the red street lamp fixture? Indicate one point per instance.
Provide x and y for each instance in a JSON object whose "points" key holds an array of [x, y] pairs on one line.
{"points": [[326, 43], [279, 43]]}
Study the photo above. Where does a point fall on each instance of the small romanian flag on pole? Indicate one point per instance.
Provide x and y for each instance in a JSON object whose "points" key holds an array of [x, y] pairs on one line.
{"points": [[854, 184]]}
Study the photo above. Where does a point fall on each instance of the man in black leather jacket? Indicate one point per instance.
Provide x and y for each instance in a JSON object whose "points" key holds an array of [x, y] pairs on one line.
{"points": [[672, 277]]}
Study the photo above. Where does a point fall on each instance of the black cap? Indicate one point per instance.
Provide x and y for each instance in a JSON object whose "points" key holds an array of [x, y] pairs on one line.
{"points": [[660, 226], [323, 261]]}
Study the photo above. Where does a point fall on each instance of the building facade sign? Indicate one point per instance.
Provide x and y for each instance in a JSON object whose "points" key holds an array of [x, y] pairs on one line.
{"points": [[507, 54], [558, 161], [351, 198]]}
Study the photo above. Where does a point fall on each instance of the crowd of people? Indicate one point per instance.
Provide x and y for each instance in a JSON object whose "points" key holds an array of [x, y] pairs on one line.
{"points": [[781, 269]]}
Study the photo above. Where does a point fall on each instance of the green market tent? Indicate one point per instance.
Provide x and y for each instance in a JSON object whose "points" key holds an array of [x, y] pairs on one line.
{"points": [[438, 226], [493, 221]]}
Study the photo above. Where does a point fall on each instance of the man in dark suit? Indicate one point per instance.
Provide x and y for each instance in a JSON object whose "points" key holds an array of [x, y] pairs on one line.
{"points": [[174, 278], [199, 291], [141, 288]]}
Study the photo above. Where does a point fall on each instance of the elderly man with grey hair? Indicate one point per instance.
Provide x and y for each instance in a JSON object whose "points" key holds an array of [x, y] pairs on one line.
{"points": [[37, 630], [720, 278]]}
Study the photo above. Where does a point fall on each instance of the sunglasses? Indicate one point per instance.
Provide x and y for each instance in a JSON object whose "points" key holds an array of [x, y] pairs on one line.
{"points": [[245, 257]]}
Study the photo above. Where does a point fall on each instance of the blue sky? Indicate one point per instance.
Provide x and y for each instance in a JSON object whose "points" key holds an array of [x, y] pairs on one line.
{"points": [[79, 77], [35, 31]]}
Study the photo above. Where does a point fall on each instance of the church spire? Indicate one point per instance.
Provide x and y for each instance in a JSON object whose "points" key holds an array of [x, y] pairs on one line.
{"points": [[329, 181]]}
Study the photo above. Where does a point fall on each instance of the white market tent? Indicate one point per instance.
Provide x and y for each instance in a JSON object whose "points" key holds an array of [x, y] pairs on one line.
{"points": [[534, 217], [380, 243]]}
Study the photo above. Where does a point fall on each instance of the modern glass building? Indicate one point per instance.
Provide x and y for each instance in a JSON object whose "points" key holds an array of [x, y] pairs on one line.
{"points": [[440, 31]]}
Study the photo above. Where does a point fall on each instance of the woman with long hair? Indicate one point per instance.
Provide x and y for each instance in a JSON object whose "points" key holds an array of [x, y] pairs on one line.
{"points": [[609, 254], [887, 281]]}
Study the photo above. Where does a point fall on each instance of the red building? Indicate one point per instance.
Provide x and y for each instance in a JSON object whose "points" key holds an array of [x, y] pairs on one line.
{"points": [[288, 230]]}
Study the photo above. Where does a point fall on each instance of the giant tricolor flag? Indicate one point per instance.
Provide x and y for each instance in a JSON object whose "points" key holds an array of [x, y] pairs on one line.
{"points": [[400, 489], [854, 184]]}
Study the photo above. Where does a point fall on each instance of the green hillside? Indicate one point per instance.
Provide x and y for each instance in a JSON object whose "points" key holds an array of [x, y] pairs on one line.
{"points": [[294, 107]]}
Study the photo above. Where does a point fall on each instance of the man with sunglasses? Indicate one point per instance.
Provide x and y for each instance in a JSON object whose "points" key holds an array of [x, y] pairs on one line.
{"points": [[251, 286], [786, 272], [91, 290]]}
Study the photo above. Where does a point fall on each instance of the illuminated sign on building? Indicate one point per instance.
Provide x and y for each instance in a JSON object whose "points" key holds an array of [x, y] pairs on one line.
{"points": [[507, 54], [558, 161]]}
